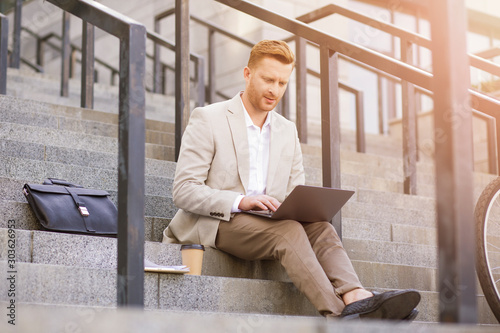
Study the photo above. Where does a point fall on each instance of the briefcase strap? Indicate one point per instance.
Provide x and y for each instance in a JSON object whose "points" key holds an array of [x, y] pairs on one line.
{"points": [[81, 208], [62, 182]]}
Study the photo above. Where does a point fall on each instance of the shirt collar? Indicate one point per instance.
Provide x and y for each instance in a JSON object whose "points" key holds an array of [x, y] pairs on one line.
{"points": [[248, 120]]}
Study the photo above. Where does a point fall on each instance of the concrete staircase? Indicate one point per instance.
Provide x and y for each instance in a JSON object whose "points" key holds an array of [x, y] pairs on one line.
{"points": [[389, 236]]}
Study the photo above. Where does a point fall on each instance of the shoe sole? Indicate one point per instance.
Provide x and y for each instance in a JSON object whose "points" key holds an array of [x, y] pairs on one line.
{"points": [[397, 306]]}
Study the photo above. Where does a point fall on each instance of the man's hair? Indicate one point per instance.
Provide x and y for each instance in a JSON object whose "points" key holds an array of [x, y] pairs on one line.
{"points": [[276, 49]]}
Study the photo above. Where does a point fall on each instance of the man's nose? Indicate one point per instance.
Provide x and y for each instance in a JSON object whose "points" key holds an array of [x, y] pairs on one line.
{"points": [[273, 89]]}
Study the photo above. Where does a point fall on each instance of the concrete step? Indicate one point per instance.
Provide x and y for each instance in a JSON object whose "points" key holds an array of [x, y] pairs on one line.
{"points": [[58, 251], [388, 232], [155, 206], [54, 284], [63, 249], [388, 162], [370, 168], [34, 113], [366, 220], [46, 88], [390, 236], [389, 214], [391, 252], [54, 318], [78, 157], [383, 145], [66, 260], [44, 247], [75, 140], [34, 171], [22, 214]]}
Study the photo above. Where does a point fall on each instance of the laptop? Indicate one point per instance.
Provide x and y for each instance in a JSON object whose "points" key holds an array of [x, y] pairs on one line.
{"points": [[309, 204]]}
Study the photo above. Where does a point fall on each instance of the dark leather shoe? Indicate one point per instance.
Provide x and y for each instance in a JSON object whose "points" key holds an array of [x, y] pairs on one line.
{"points": [[396, 305]]}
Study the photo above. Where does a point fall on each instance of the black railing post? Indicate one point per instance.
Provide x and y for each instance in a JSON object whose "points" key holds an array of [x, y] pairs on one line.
{"points": [[497, 125], [454, 174], [15, 59], [211, 67], [284, 105], [65, 55], [330, 124], [409, 125], [182, 107], [491, 143], [360, 116], [301, 88], [491, 131], [360, 123], [131, 167], [40, 47], [380, 104], [200, 81], [131, 142], [158, 74], [88, 70], [4, 52]]}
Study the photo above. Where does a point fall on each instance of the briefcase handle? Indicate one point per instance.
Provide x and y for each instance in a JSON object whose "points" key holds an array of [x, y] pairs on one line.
{"points": [[62, 182]]}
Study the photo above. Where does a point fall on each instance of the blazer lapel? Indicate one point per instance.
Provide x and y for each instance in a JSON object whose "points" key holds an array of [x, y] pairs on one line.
{"points": [[236, 120], [275, 149]]}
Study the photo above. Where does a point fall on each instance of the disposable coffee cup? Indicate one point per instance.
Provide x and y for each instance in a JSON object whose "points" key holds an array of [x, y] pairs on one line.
{"points": [[192, 256]]}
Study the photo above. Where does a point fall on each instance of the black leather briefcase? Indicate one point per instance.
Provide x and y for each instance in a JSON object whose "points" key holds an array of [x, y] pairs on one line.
{"points": [[62, 206]]}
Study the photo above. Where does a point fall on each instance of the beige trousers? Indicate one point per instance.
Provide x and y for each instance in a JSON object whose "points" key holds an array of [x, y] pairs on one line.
{"points": [[311, 253]]}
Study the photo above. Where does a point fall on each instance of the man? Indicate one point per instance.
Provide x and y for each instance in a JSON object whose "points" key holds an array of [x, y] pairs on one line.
{"points": [[240, 155]]}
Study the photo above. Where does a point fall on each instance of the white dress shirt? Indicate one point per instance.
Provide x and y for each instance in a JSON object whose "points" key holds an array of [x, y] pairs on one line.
{"points": [[258, 144]]}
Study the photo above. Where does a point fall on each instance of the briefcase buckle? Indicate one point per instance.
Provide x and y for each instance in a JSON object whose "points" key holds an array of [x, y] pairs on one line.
{"points": [[84, 211]]}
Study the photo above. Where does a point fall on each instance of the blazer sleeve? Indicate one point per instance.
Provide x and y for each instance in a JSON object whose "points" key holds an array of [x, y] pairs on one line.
{"points": [[190, 191]]}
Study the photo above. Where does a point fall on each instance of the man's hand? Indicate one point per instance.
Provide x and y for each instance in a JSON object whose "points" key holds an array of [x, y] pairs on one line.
{"points": [[259, 202]]}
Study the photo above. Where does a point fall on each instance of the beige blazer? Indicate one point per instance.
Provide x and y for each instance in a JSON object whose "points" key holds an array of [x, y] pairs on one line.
{"points": [[213, 169]]}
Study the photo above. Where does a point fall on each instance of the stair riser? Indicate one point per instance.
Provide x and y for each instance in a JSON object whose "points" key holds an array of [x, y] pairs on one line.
{"points": [[36, 171], [160, 207], [85, 158], [158, 107], [67, 139], [78, 125], [72, 250], [97, 287]]}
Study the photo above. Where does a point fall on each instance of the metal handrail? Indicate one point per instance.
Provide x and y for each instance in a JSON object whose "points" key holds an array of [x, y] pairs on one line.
{"points": [[360, 135], [359, 106], [329, 47], [157, 39], [475, 60], [453, 173], [405, 36], [377, 24], [211, 91], [490, 53], [198, 60], [131, 138], [419, 40], [46, 40], [4, 54], [16, 40]]}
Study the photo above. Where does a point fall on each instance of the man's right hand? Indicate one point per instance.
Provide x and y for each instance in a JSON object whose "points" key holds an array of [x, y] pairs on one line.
{"points": [[259, 202]]}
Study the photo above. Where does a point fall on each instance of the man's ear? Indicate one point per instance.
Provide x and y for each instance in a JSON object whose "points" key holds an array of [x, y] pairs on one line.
{"points": [[246, 72]]}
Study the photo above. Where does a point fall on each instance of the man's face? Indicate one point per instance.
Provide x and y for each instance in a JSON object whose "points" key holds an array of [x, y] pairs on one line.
{"points": [[266, 83]]}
